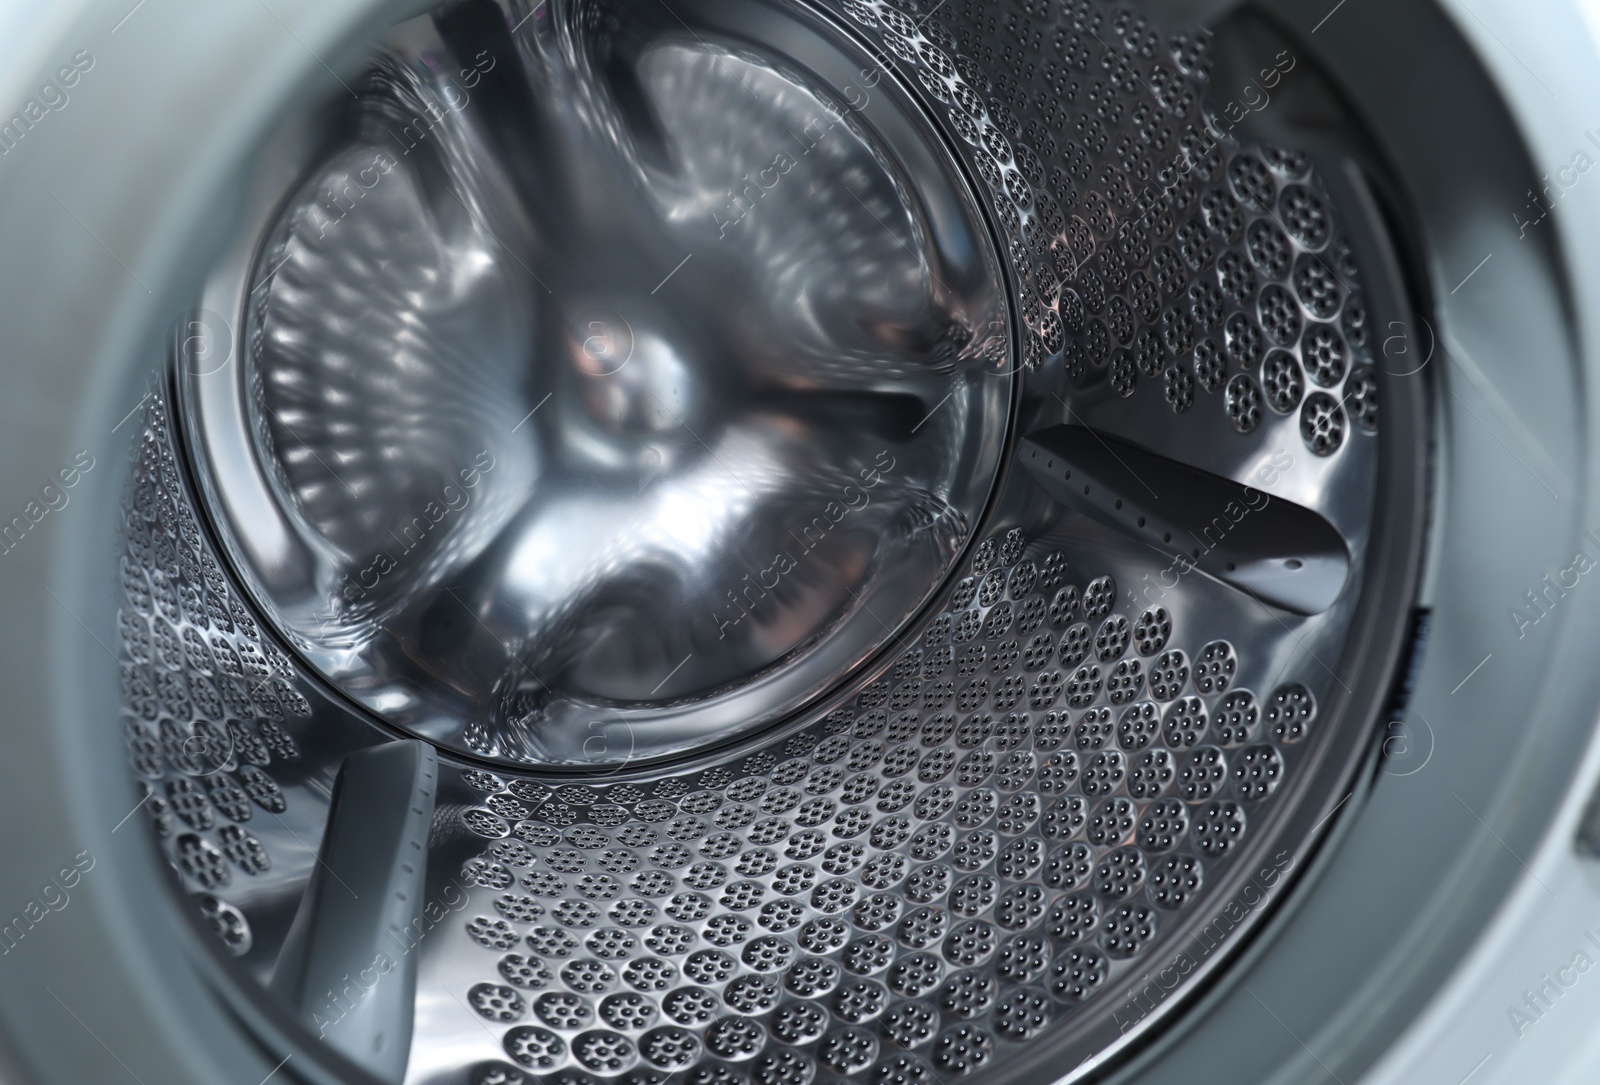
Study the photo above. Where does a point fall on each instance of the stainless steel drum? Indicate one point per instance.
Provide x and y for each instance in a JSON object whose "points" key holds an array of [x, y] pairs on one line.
{"points": [[779, 543], [888, 545]]}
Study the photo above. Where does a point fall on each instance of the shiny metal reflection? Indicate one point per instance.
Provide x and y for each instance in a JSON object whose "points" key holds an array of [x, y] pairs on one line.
{"points": [[528, 374], [616, 384], [1283, 554]]}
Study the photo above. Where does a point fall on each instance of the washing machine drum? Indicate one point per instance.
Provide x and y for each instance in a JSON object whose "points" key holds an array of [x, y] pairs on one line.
{"points": [[761, 543]]}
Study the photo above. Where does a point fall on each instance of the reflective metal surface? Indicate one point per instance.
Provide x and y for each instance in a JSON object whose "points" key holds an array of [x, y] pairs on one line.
{"points": [[898, 840], [615, 386]]}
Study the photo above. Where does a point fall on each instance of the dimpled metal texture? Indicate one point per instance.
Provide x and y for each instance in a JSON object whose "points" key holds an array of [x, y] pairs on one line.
{"points": [[991, 835], [209, 703], [979, 842], [983, 843]]}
